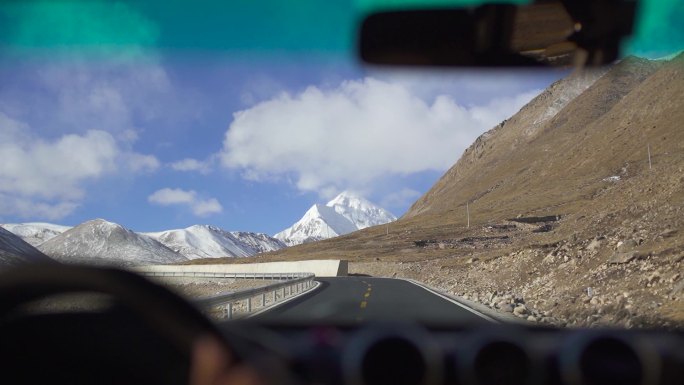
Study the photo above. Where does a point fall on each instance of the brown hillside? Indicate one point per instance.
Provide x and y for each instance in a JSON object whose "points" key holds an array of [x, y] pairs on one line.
{"points": [[566, 213]]}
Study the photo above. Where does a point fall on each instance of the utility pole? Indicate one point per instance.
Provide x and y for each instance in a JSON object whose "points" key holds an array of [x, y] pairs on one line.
{"points": [[468, 213]]}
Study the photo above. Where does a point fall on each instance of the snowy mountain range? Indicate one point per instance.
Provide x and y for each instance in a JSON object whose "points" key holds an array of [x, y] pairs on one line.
{"points": [[202, 241], [35, 233], [15, 251], [344, 214], [102, 242]]}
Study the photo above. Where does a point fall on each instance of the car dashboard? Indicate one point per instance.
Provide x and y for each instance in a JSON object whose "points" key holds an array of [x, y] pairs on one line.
{"points": [[398, 353], [141, 333]]}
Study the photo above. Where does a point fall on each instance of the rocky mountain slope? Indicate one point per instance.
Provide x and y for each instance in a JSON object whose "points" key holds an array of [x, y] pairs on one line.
{"points": [[576, 208], [102, 242], [14, 251], [202, 241], [344, 214]]}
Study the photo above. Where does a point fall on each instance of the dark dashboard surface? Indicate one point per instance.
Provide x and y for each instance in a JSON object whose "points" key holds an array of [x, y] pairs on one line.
{"points": [[409, 353]]}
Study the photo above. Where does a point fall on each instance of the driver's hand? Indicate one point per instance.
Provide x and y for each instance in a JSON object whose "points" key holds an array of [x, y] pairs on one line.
{"points": [[211, 365]]}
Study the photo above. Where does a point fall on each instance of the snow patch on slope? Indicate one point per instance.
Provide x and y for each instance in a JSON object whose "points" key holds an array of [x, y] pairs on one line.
{"points": [[565, 91]]}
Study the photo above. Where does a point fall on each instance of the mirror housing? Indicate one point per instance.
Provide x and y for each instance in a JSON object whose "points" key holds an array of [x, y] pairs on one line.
{"points": [[544, 33]]}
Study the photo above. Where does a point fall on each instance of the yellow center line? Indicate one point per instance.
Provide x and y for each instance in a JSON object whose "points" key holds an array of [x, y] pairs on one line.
{"points": [[366, 295], [363, 304]]}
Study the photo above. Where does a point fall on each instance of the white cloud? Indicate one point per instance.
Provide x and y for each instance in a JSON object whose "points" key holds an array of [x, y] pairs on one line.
{"points": [[44, 178], [115, 96], [207, 207], [142, 163], [170, 196], [55, 169], [199, 207], [352, 135], [190, 164], [12, 205]]}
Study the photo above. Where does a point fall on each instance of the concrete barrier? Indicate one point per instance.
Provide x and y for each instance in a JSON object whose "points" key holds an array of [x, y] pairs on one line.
{"points": [[321, 268]]}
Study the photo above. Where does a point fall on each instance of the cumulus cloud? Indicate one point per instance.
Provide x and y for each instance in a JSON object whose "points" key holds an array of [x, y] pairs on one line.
{"points": [[55, 169], [44, 178], [190, 164], [176, 196], [142, 163], [207, 207], [170, 196], [28, 208], [351, 135]]}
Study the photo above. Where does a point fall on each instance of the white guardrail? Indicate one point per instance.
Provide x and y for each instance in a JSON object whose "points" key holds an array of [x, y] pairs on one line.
{"points": [[289, 285], [209, 274]]}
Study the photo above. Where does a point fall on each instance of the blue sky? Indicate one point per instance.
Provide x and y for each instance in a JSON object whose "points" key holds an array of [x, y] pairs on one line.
{"points": [[154, 136], [167, 120]]}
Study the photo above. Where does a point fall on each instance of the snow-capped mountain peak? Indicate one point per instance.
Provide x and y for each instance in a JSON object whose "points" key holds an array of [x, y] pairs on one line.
{"points": [[102, 242], [344, 214], [361, 212]]}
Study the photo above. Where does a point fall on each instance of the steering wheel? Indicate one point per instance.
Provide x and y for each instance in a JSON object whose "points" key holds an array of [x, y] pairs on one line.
{"points": [[146, 336]]}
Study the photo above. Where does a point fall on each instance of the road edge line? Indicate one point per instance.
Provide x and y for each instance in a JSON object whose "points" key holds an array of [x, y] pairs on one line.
{"points": [[265, 310], [452, 300]]}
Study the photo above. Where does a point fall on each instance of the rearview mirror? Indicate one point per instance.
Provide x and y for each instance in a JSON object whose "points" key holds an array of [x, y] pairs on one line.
{"points": [[545, 33]]}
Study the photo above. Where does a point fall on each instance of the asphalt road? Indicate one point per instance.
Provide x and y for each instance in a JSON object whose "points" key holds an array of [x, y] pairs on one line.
{"points": [[361, 299]]}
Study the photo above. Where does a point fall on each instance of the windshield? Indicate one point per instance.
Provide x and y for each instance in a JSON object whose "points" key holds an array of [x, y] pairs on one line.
{"points": [[140, 133]]}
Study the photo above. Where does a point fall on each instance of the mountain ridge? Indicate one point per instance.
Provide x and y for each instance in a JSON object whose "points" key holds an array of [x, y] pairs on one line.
{"points": [[14, 251]]}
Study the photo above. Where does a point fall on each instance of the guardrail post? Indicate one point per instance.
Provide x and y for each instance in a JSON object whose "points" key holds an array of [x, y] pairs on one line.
{"points": [[229, 310]]}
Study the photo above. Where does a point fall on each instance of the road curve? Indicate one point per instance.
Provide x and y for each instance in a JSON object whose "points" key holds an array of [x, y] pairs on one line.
{"points": [[362, 299]]}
